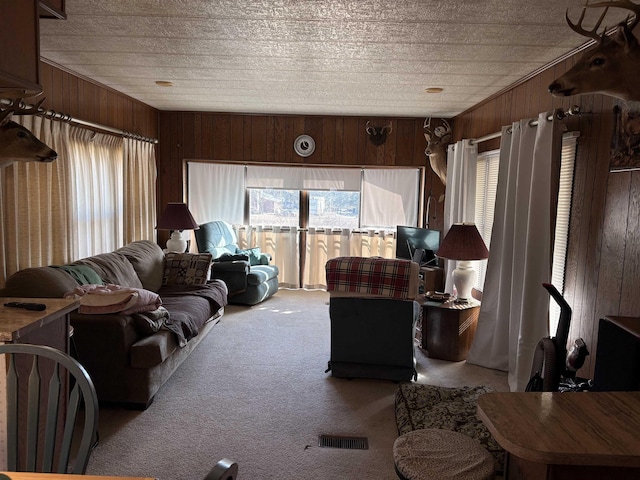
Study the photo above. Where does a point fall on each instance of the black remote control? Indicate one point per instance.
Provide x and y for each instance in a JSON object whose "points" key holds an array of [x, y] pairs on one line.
{"points": [[29, 306]]}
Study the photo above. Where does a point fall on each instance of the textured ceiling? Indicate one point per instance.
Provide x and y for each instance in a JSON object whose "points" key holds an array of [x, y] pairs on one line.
{"points": [[361, 57]]}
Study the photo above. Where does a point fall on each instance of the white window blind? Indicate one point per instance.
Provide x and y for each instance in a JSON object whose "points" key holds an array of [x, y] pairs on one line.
{"points": [[390, 197], [303, 178], [216, 192], [565, 192], [486, 187]]}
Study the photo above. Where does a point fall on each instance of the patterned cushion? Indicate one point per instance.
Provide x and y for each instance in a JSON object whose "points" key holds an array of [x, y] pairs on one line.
{"points": [[421, 406], [373, 276], [186, 268]]}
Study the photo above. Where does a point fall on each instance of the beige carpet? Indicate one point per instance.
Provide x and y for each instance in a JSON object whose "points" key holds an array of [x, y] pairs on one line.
{"points": [[255, 391]]}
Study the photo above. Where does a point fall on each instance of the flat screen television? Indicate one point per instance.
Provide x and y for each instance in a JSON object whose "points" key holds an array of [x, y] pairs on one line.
{"points": [[417, 244]]}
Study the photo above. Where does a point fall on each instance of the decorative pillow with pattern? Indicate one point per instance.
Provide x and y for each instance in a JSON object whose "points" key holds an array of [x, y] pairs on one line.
{"points": [[186, 268]]}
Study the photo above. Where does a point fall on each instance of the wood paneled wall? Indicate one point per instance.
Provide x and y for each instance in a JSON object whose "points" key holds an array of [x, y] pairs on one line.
{"points": [[270, 138], [84, 99], [603, 267]]}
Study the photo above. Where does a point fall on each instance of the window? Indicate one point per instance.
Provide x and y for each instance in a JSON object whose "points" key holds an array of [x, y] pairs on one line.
{"points": [[274, 207], [334, 209], [486, 186]]}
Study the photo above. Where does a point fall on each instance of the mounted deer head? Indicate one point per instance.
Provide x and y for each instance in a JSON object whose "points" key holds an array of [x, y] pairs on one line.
{"points": [[17, 144], [438, 137], [612, 66], [378, 135]]}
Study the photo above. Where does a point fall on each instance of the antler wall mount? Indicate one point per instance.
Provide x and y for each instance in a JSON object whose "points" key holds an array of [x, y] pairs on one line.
{"points": [[437, 133], [378, 135]]}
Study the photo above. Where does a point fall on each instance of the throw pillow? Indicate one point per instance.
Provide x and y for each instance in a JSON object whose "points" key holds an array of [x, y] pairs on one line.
{"points": [[254, 255], [186, 268]]}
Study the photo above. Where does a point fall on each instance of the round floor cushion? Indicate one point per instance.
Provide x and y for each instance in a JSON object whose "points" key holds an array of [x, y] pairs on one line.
{"points": [[441, 454]]}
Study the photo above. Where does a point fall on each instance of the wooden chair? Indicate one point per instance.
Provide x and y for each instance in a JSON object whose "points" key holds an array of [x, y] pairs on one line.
{"points": [[40, 436], [223, 470]]}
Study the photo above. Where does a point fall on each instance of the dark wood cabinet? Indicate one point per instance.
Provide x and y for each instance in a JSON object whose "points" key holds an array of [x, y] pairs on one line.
{"points": [[448, 329], [20, 46]]}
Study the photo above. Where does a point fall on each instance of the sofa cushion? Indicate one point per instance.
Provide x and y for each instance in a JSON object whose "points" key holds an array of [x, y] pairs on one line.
{"points": [[113, 268], [254, 254], [186, 268], [147, 259], [153, 350], [39, 282]]}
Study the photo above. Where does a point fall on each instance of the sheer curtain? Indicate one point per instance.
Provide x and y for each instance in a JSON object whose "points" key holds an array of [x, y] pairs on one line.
{"points": [[98, 180], [514, 312], [326, 243], [282, 243], [459, 202], [139, 190], [35, 204]]}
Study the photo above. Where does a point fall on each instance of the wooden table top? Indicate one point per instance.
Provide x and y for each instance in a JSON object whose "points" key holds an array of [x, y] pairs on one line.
{"points": [[572, 428], [15, 322], [58, 476]]}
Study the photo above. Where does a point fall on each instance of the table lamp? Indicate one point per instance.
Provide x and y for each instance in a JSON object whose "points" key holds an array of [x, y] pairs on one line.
{"points": [[463, 243], [177, 217]]}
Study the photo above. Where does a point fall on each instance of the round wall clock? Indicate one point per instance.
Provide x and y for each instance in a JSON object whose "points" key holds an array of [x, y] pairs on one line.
{"points": [[304, 145]]}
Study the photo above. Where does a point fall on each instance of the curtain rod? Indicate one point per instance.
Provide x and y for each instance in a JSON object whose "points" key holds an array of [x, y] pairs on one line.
{"points": [[559, 114], [63, 117]]}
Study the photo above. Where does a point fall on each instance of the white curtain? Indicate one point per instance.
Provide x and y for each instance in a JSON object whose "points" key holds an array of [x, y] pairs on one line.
{"points": [[460, 198], [514, 311], [282, 243], [98, 190], [139, 190], [324, 244]]}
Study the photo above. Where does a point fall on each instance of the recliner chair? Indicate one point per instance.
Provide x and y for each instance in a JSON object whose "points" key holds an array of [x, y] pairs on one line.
{"points": [[373, 316], [248, 273]]}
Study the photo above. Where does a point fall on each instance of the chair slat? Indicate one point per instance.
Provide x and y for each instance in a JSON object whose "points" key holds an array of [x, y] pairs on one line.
{"points": [[12, 420], [48, 451], [67, 438], [33, 419]]}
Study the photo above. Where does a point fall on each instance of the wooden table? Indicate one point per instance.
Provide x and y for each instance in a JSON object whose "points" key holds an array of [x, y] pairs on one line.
{"points": [[47, 327], [58, 476], [448, 328], [577, 435]]}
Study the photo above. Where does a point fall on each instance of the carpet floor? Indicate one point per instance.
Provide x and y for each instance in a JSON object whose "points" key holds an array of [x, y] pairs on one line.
{"points": [[255, 391]]}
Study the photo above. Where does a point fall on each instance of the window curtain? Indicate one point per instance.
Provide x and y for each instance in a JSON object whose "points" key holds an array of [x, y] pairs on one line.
{"points": [[514, 312], [139, 190], [216, 192], [36, 219], [282, 243], [460, 197], [324, 244], [389, 197], [98, 180]]}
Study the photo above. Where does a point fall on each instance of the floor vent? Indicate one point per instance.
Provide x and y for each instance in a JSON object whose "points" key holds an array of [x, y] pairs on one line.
{"points": [[351, 443]]}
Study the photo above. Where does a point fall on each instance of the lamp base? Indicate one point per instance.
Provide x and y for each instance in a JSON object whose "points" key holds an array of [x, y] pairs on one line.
{"points": [[464, 277], [176, 243]]}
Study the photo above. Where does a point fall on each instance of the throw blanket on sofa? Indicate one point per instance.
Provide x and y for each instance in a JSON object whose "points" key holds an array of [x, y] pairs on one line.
{"points": [[102, 299]]}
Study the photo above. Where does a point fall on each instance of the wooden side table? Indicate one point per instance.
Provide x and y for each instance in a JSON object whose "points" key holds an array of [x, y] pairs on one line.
{"points": [[448, 329]]}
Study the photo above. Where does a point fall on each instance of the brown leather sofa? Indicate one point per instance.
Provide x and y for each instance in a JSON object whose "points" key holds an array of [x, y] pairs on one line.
{"points": [[129, 357]]}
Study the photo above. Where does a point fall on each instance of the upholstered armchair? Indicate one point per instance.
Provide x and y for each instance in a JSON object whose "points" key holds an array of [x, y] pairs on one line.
{"points": [[248, 273], [373, 316]]}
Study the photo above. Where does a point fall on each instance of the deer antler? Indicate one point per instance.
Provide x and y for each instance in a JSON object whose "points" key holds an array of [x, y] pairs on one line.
{"points": [[18, 107], [577, 27], [627, 5]]}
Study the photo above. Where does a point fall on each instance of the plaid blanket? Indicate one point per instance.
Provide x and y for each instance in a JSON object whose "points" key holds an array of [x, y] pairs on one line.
{"points": [[384, 277]]}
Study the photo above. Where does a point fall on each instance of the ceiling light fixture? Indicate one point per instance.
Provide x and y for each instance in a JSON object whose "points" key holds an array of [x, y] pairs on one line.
{"points": [[433, 90], [164, 83]]}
